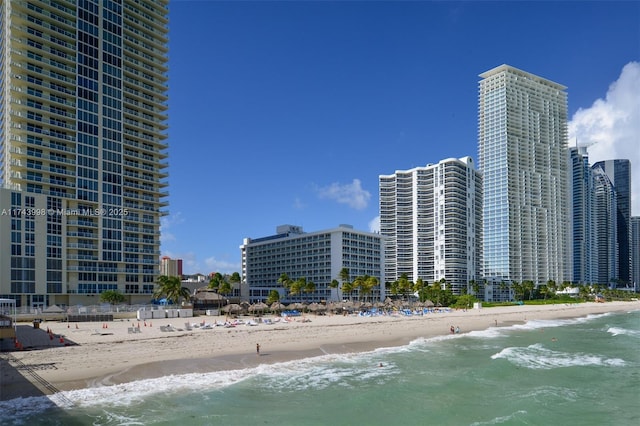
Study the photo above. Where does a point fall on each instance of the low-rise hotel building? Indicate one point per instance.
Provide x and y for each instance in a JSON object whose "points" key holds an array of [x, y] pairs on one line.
{"points": [[316, 256]]}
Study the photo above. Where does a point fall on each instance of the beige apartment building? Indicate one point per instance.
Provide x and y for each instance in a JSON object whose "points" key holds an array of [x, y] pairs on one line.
{"points": [[83, 151]]}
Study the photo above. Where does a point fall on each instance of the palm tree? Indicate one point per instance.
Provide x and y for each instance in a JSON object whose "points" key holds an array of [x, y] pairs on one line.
{"points": [[551, 287], [528, 287], [274, 296], [310, 287], [369, 284], [171, 289], [298, 286], [345, 278], [518, 290], [225, 288], [334, 284], [344, 274], [404, 285], [418, 287], [216, 281], [358, 283], [347, 287], [284, 280], [436, 291]]}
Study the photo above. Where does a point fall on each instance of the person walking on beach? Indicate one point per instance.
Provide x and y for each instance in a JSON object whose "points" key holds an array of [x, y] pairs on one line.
{"points": [[258, 349]]}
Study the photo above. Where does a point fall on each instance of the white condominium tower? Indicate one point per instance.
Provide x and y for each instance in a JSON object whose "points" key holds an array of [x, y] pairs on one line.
{"points": [[431, 218], [83, 102], [522, 154]]}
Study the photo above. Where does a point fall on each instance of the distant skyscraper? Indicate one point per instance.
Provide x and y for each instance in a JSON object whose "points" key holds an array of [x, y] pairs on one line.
{"points": [[83, 112], [171, 267], [605, 224], [523, 158], [619, 173], [635, 252], [431, 218], [584, 254]]}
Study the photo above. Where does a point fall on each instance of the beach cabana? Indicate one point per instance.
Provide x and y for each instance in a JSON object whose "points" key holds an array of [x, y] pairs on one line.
{"points": [[277, 307], [206, 298], [7, 319], [258, 308], [233, 308]]}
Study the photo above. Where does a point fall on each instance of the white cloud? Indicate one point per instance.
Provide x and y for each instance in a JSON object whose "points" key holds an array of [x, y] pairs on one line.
{"points": [[612, 126], [351, 194], [298, 204], [374, 224], [222, 266], [192, 265], [166, 223]]}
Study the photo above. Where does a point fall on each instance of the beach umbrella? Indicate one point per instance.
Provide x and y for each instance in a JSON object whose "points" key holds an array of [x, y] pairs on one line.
{"points": [[258, 307], [428, 304], [233, 308], [277, 306]]}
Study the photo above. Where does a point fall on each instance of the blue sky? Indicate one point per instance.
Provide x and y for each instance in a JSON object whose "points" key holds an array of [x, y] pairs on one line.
{"points": [[287, 112]]}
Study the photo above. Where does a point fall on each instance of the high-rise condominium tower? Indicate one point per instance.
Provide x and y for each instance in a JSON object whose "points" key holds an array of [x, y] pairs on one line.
{"points": [[605, 223], [432, 219], [584, 252], [619, 173], [635, 252], [83, 101], [522, 152]]}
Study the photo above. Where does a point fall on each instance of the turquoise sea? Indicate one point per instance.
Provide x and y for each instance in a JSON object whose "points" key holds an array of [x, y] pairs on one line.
{"points": [[583, 371]]}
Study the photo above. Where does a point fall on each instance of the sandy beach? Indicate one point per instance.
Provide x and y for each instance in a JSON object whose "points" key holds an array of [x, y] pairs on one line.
{"points": [[80, 355]]}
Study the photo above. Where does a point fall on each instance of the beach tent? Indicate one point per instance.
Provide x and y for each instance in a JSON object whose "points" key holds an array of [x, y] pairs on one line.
{"points": [[233, 308], [8, 324], [258, 307], [277, 307], [53, 309], [205, 297]]}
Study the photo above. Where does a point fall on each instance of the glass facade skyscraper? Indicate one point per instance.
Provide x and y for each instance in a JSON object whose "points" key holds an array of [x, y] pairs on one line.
{"points": [[605, 222], [635, 252], [583, 250], [619, 173], [522, 154], [82, 148]]}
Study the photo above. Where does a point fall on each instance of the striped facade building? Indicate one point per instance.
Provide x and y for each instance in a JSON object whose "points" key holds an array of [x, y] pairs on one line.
{"points": [[83, 150]]}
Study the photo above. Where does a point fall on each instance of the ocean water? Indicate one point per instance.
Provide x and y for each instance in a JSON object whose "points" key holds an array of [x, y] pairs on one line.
{"points": [[583, 371]]}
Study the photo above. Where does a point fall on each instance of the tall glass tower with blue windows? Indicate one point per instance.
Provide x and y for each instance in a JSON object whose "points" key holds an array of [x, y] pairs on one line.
{"points": [[584, 253], [83, 151], [619, 174], [522, 154]]}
